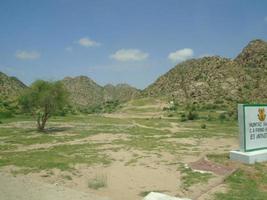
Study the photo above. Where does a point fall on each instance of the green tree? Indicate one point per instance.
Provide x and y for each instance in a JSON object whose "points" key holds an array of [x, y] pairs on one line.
{"points": [[42, 99]]}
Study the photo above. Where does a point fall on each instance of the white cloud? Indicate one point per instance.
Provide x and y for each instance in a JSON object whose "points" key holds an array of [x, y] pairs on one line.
{"points": [[87, 42], [27, 55], [181, 55], [129, 55], [69, 49]]}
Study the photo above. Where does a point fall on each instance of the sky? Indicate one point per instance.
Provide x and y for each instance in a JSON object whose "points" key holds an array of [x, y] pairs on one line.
{"points": [[121, 41]]}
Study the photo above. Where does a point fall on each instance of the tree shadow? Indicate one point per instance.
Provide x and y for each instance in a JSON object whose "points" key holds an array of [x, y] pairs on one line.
{"points": [[53, 130]]}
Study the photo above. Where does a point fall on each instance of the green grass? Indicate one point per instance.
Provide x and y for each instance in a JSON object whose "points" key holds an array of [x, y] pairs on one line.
{"points": [[141, 109], [63, 157], [90, 119], [245, 186], [143, 102], [154, 122], [150, 138], [219, 158], [147, 135], [190, 177]]}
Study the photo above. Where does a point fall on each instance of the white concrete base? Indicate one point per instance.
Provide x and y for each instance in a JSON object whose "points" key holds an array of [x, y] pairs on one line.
{"points": [[160, 196], [249, 157]]}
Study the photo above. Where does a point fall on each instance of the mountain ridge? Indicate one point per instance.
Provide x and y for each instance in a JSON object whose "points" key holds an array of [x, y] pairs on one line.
{"points": [[213, 79], [10, 86], [210, 79]]}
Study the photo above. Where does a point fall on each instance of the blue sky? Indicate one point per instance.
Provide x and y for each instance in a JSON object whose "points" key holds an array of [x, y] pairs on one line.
{"points": [[121, 41]]}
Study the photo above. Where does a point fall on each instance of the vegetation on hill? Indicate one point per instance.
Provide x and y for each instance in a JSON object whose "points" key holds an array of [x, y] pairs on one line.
{"points": [[120, 92], [86, 94], [217, 80], [205, 82], [10, 87]]}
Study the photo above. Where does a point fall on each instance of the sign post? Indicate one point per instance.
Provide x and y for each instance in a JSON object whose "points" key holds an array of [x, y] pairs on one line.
{"points": [[252, 120]]}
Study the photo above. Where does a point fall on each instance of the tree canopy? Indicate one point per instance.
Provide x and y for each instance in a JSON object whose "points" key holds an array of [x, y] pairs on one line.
{"points": [[42, 99]]}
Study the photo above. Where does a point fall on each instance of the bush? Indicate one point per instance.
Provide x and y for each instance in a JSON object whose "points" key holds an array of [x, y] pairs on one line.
{"points": [[106, 107], [192, 115], [183, 119], [165, 109], [111, 106], [203, 126], [7, 108], [209, 117], [6, 114], [170, 115], [191, 107], [222, 117], [232, 113]]}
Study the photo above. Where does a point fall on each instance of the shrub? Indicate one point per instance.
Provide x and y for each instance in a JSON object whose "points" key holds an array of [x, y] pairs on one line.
{"points": [[5, 114], [170, 115], [203, 126], [209, 117], [232, 113], [7, 108], [192, 115], [222, 117], [183, 119], [165, 109]]}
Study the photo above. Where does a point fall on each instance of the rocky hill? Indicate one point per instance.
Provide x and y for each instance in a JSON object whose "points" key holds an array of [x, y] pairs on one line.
{"points": [[120, 92], [216, 79], [85, 92], [204, 80], [10, 87]]}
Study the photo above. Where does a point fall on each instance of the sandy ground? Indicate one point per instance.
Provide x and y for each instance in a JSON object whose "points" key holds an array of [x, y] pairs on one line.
{"points": [[125, 179], [23, 188]]}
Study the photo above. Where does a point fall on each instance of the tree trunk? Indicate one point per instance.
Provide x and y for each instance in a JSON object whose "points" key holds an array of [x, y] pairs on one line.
{"points": [[41, 121]]}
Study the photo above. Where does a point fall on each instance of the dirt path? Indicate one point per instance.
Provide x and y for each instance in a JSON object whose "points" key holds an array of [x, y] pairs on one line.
{"points": [[22, 188]]}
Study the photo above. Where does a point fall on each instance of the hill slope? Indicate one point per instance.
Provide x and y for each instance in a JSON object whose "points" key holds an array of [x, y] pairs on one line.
{"points": [[85, 92], [10, 87], [216, 79]]}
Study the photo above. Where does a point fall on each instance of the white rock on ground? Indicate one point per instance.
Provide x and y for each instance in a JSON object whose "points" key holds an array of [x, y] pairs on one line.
{"points": [[21, 188], [160, 196]]}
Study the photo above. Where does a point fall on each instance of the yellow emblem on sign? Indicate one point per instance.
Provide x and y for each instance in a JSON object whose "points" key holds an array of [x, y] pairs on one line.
{"points": [[261, 114]]}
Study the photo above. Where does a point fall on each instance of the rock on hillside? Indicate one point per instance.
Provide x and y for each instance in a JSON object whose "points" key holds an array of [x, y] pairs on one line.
{"points": [[217, 79], [10, 86]]}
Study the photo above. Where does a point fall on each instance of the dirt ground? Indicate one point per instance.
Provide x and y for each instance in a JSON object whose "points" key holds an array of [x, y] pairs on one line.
{"points": [[132, 172], [24, 188]]}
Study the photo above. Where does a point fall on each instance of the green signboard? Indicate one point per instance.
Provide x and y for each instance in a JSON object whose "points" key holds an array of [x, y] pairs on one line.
{"points": [[252, 126]]}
